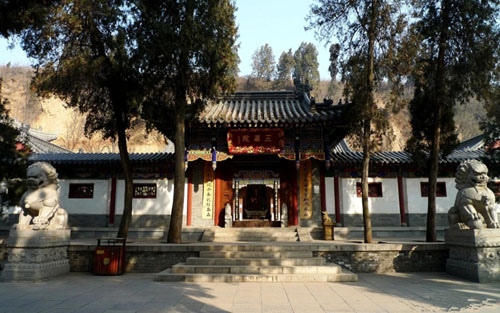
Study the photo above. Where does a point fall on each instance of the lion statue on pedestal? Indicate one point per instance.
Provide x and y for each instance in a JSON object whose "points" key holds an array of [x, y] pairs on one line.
{"points": [[40, 203], [475, 203]]}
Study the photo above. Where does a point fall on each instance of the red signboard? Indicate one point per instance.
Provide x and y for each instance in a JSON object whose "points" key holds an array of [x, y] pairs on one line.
{"points": [[255, 141]]}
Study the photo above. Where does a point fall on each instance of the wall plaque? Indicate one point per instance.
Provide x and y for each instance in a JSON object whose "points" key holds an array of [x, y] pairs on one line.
{"points": [[255, 141]]}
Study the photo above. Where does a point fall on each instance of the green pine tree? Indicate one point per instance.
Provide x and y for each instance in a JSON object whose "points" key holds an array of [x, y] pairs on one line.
{"points": [[306, 65], [367, 32], [188, 56], [456, 56]]}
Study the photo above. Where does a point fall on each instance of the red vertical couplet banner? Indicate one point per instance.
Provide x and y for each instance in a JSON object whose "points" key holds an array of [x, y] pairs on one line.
{"points": [[208, 192], [305, 189]]}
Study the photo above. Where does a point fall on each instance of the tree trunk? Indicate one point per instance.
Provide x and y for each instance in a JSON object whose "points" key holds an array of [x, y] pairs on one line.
{"points": [[129, 184], [182, 81], [175, 230], [433, 170], [439, 92], [367, 223], [368, 111]]}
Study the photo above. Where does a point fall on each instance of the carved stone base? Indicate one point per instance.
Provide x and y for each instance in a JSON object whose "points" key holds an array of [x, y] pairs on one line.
{"points": [[36, 255], [474, 254]]}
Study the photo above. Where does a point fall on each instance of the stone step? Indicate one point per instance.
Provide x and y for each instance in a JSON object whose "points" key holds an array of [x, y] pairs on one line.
{"points": [[168, 276], [271, 230], [315, 261], [255, 234], [253, 239], [223, 269], [256, 254], [258, 247], [250, 234]]}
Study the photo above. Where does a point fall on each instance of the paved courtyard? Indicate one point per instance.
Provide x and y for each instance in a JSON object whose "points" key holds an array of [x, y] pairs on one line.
{"points": [[397, 292]]}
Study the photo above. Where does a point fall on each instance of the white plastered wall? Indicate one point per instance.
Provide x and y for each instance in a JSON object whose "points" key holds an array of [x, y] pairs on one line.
{"points": [[161, 205], [330, 195], [99, 204], [387, 204], [416, 204]]}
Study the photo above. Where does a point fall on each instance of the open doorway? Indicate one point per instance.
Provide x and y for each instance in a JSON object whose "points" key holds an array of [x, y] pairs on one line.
{"points": [[256, 203]]}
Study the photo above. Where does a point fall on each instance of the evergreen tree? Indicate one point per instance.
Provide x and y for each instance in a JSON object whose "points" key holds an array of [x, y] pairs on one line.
{"points": [[263, 68], [82, 54], [12, 161], [187, 52], [284, 70], [263, 63], [366, 30], [455, 61], [16, 15], [306, 65], [491, 129], [333, 68]]}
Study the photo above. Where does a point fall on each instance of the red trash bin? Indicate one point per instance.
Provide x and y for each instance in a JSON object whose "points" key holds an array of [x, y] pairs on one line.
{"points": [[109, 257]]}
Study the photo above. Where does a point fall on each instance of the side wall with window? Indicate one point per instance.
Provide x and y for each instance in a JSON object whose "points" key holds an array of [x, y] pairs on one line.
{"points": [[89, 202], [417, 202], [82, 209], [384, 208], [148, 211]]}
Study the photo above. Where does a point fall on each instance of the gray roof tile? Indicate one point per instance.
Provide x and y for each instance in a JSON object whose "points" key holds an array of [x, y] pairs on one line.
{"points": [[38, 141], [97, 158], [252, 108], [343, 154]]}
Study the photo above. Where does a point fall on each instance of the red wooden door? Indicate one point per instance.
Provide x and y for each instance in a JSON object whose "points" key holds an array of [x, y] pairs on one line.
{"points": [[287, 185], [224, 191]]}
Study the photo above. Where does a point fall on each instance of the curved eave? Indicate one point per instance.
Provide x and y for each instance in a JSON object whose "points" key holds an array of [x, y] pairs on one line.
{"points": [[396, 158], [98, 158]]}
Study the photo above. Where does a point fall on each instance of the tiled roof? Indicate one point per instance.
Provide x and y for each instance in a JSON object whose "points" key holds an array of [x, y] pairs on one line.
{"points": [[342, 154], [266, 108], [386, 157], [37, 140], [474, 143], [38, 145], [97, 158]]}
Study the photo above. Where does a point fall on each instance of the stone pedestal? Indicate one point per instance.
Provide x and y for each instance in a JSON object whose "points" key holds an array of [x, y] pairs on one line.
{"points": [[474, 254], [36, 255]]}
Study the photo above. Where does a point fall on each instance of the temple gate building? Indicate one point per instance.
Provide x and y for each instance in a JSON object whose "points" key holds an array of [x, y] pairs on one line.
{"points": [[260, 152], [270, 158]]}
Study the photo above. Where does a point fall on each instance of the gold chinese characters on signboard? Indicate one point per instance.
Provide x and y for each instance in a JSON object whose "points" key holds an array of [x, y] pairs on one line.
{"points": [[305, 188], [208, 192]]}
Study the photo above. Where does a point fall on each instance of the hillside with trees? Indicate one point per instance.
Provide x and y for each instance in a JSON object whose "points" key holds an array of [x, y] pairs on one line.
{"points": [[53, 116]]}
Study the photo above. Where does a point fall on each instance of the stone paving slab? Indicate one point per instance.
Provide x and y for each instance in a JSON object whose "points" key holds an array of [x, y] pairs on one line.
{"points": [[395, 292]]}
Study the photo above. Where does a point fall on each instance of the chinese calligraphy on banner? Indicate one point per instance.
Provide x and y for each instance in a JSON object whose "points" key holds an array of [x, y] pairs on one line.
{"points": [[208, 192], [262, 140], [305, 187]]}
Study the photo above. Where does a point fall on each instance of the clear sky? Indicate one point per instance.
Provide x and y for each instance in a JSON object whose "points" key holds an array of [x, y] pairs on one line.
{"points": [[280, 23]]}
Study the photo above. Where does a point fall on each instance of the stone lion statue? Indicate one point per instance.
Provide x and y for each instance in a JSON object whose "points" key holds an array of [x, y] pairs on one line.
{"points": [[475, 202], [40, 203]]}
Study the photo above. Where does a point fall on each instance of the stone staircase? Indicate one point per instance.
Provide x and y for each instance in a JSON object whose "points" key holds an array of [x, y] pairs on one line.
{"points": [[250, 234], [256, 263]]}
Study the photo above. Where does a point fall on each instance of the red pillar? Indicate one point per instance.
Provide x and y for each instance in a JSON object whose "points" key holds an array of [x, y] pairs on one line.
{"points": [[402, 210], [112, 202], [295, 199], [337, 199], [189, 198]]}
